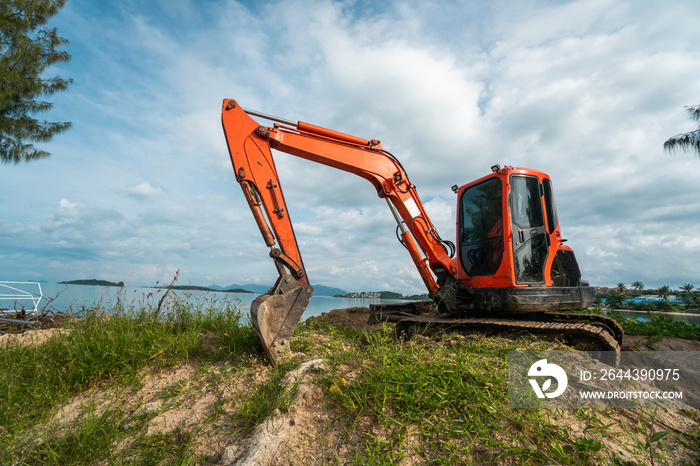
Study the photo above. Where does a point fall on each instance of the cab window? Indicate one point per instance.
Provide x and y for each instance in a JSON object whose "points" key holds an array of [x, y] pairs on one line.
{"points": [[550, 205], [481, 228], [529, 236]]}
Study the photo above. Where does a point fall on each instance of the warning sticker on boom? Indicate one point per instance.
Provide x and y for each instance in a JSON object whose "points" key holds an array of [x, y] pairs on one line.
{"points": [[412, 208]]}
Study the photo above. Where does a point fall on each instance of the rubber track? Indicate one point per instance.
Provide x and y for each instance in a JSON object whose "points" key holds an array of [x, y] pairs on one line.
{"points": [[602, 339], [611, 324]]}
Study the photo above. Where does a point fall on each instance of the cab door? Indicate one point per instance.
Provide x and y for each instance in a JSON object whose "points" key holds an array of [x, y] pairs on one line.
{"points": [[480, 230], [530, 240]]}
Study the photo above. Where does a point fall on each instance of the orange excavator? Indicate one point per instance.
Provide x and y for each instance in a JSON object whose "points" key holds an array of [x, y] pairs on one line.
{"points": [[509, 271]]}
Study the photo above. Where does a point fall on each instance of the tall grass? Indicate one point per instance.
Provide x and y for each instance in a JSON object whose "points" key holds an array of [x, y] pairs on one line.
{"points": [[106, 345]]}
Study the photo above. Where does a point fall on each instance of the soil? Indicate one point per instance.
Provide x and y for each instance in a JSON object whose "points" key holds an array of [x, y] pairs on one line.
{"points": [[643, 343], [190, 398], [29, 337]]}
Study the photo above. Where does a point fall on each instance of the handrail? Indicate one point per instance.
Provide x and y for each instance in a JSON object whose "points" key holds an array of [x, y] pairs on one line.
{"points": [[9, 292]]}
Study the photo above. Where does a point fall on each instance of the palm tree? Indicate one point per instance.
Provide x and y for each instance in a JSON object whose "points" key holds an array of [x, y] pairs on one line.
{"points": [[688, 288], [638, 286], [621, 288], [664, 292], [686, 141]]}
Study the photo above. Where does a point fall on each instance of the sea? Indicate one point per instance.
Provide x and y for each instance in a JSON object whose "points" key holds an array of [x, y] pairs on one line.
{"points": [[81, 298]]}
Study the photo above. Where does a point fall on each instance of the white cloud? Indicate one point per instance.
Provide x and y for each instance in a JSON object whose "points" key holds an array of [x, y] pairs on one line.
{"points": [[599, 253], [142, 191], [66, 206]]}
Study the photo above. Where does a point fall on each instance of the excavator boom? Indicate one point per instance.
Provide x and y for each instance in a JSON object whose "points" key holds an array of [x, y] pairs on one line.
{"points": [[250, 145]]}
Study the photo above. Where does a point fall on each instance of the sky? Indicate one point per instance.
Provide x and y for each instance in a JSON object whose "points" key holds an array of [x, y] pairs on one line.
{"points": [[142, 186]]}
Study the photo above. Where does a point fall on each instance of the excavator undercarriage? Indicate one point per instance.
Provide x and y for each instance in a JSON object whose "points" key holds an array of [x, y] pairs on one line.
{"points": [[598, 334]]}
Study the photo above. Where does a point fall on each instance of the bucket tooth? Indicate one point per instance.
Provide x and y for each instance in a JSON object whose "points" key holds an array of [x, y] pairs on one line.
{"points": [[276, 314]]}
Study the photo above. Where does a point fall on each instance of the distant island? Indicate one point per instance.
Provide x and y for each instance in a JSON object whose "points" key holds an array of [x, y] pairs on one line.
{"points": [[382, 295], [319, 290], [203, 288], [92, 282]]}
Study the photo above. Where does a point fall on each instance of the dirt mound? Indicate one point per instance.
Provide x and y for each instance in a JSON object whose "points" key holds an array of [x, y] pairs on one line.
{"points": [[354, 318], [204, 399]]}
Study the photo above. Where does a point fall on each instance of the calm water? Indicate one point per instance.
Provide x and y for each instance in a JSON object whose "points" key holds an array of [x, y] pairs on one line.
{"points": [[644, 316], [81, 297]]}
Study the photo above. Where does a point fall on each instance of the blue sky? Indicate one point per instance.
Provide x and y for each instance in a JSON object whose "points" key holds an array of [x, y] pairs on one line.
{"points": [[141, 186]]}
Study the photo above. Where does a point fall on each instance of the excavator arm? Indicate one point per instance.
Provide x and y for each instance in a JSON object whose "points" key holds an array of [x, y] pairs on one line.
{"points": [[276, 313]]}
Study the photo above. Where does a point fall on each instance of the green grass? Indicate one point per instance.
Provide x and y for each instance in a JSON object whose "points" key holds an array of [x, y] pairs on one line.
{"points": [[106, 348], [90, 441], [453, 397], [267, 396], [659, 326], [445, 403], [159, 449], [93, 438]]}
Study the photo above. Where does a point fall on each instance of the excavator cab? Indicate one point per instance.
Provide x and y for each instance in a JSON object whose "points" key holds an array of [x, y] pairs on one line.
{"points": [[509, 238]]}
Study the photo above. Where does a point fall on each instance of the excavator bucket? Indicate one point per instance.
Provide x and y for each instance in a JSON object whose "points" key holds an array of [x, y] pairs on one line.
{"points": [[276, 314]]}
